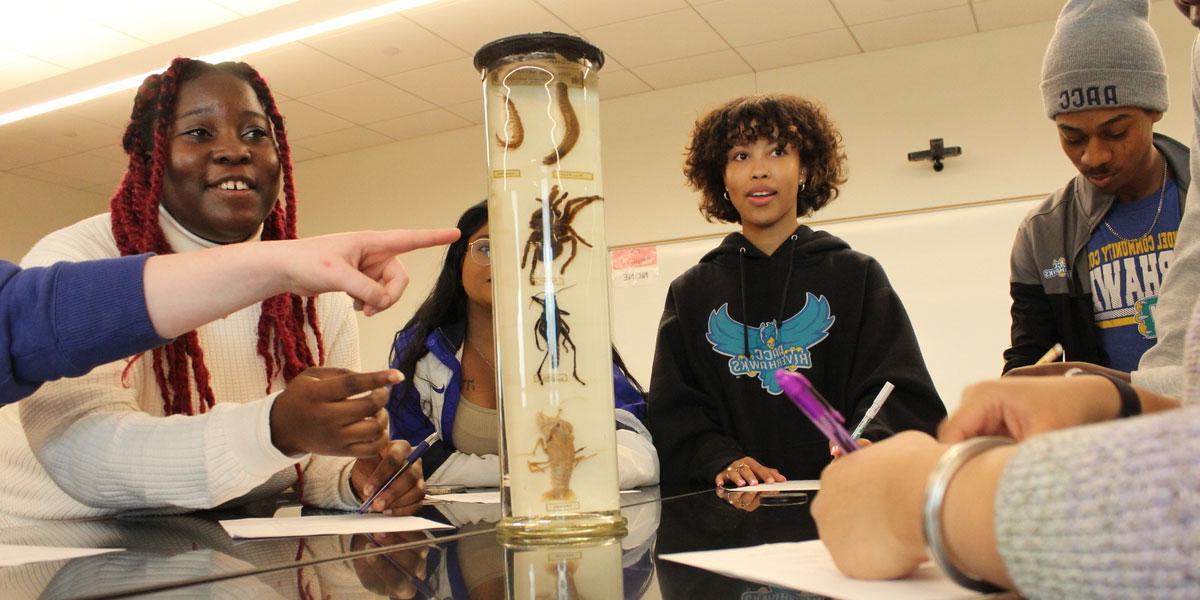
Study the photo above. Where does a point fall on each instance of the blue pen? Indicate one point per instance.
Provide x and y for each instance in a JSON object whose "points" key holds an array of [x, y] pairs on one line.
{"points": [[816, 408], [412, 458]]}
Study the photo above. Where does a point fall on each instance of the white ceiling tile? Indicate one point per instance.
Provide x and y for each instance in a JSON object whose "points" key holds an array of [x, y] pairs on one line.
{"points": [[620, 83], [22, 70], [471, 111], [998, 14], [84, 167], [112, 110], [61, 45], [744, 22], [800, 49], [420, 124], [448, 83], [297, 70], [657, 38], [691, 69], [368, 102], [304, 121], [583, 15], [112, 153], [488, 20], [156, 21], [68, 131], [251, 7], [21, 150], [103, 189], [915, 29], [346, 140], [866, 11], [69, 181], [301, 153], [386, 46]]}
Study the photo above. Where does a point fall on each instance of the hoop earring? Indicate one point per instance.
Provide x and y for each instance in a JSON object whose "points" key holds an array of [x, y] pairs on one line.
{"points": [[803, 186], [726, 196]]}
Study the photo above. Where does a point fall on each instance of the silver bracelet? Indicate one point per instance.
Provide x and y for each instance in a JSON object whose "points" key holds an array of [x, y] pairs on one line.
{"points": [[935, 494]]}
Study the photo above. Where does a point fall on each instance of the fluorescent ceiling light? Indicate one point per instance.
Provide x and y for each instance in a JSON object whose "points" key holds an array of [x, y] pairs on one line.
{"points": [[234, 53]]}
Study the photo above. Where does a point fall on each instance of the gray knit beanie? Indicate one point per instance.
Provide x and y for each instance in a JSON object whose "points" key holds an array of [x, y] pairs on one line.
{"points": [[1103, 55]]}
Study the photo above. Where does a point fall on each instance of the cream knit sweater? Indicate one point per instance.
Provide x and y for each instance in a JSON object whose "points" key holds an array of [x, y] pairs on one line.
{"points": [[98, 445]]}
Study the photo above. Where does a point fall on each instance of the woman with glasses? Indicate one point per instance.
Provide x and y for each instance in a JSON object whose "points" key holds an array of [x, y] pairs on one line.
{"points": [[447, 355]]}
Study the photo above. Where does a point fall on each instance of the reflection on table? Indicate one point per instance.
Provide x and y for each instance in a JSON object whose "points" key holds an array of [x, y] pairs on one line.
{"points": [[192, 556]]}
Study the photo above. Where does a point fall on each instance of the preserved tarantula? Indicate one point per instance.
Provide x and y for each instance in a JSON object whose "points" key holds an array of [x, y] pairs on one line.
{"points": [[561, 232]]}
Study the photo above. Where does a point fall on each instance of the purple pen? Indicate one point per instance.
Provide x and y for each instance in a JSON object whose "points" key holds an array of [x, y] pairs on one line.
{"points": [[816, 408]]}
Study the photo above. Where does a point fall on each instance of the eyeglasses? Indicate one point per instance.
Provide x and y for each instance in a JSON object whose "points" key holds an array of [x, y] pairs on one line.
{"points": [[480, 251]]}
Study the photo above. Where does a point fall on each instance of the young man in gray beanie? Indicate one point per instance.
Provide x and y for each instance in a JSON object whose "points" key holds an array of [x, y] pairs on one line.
{"points": [[1088, 263]]}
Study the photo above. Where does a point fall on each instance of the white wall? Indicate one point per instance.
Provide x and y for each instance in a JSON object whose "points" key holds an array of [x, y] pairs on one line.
{"points": [[31, 209], [979, 92]]}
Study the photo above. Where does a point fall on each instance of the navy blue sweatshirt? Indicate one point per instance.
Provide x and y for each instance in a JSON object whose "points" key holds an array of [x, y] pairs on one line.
{"points": [[814, 306], [63, 320]]}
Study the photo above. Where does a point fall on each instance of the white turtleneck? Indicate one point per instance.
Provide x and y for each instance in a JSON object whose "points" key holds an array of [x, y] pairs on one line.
{"points": [[99, 444]]}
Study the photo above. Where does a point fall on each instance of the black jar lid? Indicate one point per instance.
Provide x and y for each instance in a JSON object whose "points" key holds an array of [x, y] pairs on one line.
{"points": [[569, 46]]}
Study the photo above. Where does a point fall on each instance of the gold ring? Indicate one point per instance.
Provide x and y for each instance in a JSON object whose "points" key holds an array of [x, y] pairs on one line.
{"points": [[740, 466]]}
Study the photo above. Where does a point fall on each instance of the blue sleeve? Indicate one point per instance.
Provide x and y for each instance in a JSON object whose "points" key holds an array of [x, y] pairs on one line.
{"points": [[626, 396], [404, 409], [64, 320]]}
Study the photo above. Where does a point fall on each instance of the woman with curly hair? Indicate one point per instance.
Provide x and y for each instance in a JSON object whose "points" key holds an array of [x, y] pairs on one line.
{"points": [[775, 295]]}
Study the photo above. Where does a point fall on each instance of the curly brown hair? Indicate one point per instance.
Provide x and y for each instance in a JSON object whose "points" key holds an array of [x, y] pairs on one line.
{"points": [[779, 118]]}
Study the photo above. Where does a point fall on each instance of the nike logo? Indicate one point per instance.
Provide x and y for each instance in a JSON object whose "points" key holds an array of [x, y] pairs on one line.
{"points": [[438, 390]]}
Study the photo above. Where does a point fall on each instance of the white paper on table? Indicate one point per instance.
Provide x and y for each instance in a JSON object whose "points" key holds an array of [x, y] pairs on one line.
{"points": [[325, 525], [808, 566], [468, 497], [798, 485], [11, 556], [488, 497]]}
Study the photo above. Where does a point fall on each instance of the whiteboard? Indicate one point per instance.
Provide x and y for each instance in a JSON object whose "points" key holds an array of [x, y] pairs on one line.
{"points": [[949, 265]]}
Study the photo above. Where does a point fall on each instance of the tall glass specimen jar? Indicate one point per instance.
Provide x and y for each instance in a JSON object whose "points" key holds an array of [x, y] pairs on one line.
{"points": [[550, 288]]}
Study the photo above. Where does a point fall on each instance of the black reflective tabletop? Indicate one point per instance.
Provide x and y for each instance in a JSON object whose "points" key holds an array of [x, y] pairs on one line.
{"points": [[192, 556]]}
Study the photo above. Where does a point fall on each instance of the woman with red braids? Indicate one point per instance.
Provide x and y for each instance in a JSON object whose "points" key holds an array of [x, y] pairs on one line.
{"points": [[234, 410]]}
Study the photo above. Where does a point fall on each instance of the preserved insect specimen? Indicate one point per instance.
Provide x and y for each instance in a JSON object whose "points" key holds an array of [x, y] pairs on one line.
{"points": [[570, 121], [514, 132], [561, 231], [558, 443], [562, 337]]}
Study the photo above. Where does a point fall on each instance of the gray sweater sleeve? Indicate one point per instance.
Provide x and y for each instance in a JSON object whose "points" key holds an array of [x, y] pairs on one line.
{"points": [[1105, 511], [1161, 367]]}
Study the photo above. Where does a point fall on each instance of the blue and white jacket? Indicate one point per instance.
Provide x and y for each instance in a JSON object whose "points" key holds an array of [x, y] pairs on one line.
{"points": [[428, 402]]}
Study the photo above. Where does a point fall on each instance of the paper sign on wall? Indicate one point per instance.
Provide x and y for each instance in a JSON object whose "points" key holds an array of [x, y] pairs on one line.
{"points": [[636, 266]]}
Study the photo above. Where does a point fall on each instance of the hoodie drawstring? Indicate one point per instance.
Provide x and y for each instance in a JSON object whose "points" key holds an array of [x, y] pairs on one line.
{"points": [[745, 316], [787, 281]]}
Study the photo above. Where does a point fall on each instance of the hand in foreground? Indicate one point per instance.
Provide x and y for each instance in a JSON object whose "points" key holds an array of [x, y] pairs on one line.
{"points": [[1061, 368], [835, 450], [747, 471], [319, 413], [395, 574], [363, 264], [868, 511], [404, 495], [1021, 407]]}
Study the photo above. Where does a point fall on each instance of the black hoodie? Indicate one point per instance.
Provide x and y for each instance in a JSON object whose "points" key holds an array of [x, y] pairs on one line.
{"points": [[815, 305]]}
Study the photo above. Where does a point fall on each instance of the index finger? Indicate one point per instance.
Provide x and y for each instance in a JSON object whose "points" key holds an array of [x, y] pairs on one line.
{"points": [[398, 241], [350, 385]]}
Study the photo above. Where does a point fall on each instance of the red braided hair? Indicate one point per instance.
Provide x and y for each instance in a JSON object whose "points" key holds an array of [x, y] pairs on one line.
{"points": [[282, 341]]}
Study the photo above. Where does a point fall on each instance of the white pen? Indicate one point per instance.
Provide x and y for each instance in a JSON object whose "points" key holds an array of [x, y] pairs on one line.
{"points": [[884, 392]]}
